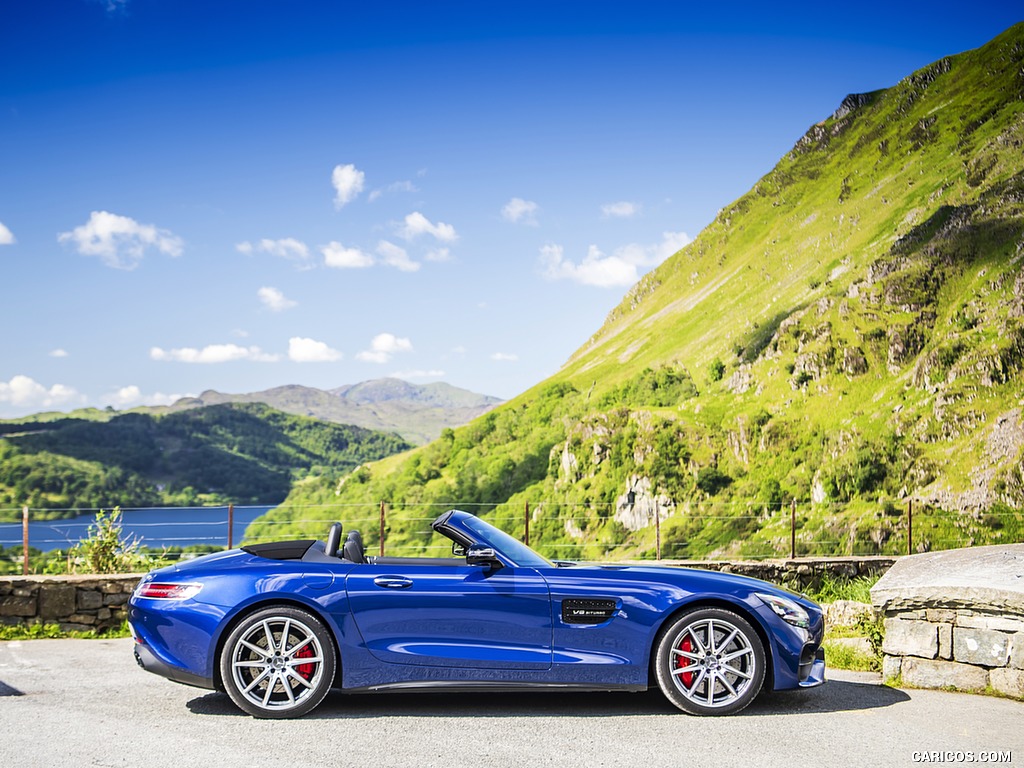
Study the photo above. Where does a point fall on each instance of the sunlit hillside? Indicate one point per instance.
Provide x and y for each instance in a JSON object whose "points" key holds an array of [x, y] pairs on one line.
{"points": [[848, 335]]}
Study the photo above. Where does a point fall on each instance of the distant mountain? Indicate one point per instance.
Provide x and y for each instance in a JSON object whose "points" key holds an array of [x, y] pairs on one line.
{"points": [[416, 412]]}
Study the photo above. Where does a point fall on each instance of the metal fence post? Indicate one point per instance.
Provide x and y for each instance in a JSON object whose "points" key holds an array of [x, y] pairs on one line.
{"points": [[231, 525], [792, 529], [657, 530], [526, 525], [382, 528], [24, 541], [910, 527]]}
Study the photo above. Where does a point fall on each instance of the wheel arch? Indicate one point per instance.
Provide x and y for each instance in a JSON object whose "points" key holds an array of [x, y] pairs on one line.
{"points": [[228, 627], [740, 609]]}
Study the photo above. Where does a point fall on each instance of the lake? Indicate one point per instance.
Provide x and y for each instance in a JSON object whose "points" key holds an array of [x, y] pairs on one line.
{"points": [[155, 527]]}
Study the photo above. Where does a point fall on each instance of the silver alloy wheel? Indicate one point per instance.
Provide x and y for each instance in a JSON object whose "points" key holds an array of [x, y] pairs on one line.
{"points": [[713, 662], [710, 661], [277, 663]]}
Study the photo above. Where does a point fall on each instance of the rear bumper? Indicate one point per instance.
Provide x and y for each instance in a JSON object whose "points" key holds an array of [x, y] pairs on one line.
{"points": [[146, 659]]}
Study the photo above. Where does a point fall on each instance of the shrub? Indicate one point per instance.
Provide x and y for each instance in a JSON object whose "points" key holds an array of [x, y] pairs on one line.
{"points": [[716, 370], [105, 551]]}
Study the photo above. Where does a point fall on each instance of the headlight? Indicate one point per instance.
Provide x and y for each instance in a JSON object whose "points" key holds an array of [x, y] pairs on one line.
{"points": [[788, 610]]}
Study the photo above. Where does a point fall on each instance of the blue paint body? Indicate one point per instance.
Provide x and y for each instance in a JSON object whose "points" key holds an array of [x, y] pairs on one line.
{"points": [[413, 623]]}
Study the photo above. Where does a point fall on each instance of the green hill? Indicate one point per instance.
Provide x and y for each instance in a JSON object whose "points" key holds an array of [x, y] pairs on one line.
{"points": [[225, 453], [849, 334]]}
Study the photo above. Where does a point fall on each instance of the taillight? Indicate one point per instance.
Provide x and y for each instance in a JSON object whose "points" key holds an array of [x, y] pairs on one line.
{"points": [[156, 590]]}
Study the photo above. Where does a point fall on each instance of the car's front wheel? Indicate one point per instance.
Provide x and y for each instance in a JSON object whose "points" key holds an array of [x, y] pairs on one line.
{"points": [[710, 661], [278, 662]]}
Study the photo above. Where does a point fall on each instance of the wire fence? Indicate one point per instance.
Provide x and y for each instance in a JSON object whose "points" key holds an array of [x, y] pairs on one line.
{"points": [[738, 530]]}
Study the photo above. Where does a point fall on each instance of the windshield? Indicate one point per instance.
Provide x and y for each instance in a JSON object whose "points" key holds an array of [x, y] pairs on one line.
{"points": [[513, 549]]}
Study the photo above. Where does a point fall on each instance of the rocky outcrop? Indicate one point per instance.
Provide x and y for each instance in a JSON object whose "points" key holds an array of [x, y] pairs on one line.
{"points": [[646, 504], [850, 103]]}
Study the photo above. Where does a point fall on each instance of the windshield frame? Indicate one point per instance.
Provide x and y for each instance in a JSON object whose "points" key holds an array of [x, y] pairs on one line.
{"points": [[511, 549]]}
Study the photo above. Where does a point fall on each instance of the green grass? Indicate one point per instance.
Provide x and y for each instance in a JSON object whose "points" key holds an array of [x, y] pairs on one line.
{"points": [[838, 656], [40, 631], [832, 588]]}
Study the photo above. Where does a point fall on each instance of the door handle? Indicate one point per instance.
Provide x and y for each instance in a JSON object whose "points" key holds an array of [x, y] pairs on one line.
{"points": [[393, 582]]}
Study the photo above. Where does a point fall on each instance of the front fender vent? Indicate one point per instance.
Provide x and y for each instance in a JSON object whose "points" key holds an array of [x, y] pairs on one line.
{"points": [[587, 611]]}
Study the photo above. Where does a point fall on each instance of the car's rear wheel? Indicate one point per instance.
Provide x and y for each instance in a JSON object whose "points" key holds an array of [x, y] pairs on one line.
{"points": [[710, 661], [278, 662]]}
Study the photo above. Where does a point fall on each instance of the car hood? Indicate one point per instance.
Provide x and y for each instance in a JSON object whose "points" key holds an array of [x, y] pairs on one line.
{"points": [[690, 579]]}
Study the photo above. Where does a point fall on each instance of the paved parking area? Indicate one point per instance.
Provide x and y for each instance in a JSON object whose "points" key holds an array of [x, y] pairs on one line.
{"points": [[86, 703]]}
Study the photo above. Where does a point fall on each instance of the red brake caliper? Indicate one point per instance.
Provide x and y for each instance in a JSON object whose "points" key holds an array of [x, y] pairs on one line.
{"points": [[305, 670], [682, 661]]}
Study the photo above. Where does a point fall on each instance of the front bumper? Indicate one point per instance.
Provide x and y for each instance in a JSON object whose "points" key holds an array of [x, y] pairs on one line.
{"points": [[812, 668]]}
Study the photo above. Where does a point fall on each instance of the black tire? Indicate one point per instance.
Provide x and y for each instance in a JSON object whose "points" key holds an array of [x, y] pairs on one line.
{"points": [[278, 662], [709, 661]]}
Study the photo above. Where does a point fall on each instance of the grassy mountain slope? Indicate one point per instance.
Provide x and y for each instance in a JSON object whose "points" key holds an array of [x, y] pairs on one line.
{"points": [[848, 334], [243, 453], [417, 412]]}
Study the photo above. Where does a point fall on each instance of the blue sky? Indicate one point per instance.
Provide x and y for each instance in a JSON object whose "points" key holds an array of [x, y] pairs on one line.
{"points": [[242, 194]]}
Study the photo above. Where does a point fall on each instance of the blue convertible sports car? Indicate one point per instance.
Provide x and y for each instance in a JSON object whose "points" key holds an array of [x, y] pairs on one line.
{"points": [[278, 625]]}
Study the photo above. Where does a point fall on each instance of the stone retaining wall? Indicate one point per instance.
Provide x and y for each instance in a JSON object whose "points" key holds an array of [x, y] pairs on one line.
{"points": [[98, 602], [802, 574], [76, 603], [955, 619]]}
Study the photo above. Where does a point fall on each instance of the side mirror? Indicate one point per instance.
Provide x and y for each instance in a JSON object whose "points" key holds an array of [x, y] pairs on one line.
{"points": [[477, 554]]}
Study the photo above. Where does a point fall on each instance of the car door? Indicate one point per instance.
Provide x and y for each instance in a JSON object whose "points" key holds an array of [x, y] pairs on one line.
{"points": [[453, 615]]}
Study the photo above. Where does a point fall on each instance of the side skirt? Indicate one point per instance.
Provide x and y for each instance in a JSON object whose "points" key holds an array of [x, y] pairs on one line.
{"points": [[463, 686]]}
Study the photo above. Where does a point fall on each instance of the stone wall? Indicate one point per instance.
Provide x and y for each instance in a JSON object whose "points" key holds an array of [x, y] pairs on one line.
{"points": [[955, 619], [802, 574], [76, 603]]}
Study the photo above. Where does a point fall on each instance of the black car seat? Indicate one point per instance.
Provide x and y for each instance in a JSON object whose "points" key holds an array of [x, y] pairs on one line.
{"points": [[333, 540], [354, 548]]}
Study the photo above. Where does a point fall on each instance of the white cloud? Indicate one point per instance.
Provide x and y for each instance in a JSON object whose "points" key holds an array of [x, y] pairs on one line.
{"points": [[596, 269], [338, 256], [383, 347], [396, 256], [417, 224], [504, 357], [517, 210], [58, 353], [348, 183], [653, 255], [620, 210], [438, 254], [119, 241], [6, 236], [114, 6], [212, 353], [398, 186], [302, 350], [621, 269], [274, 300], [131, 396], [27, 394], [286, 248]]}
